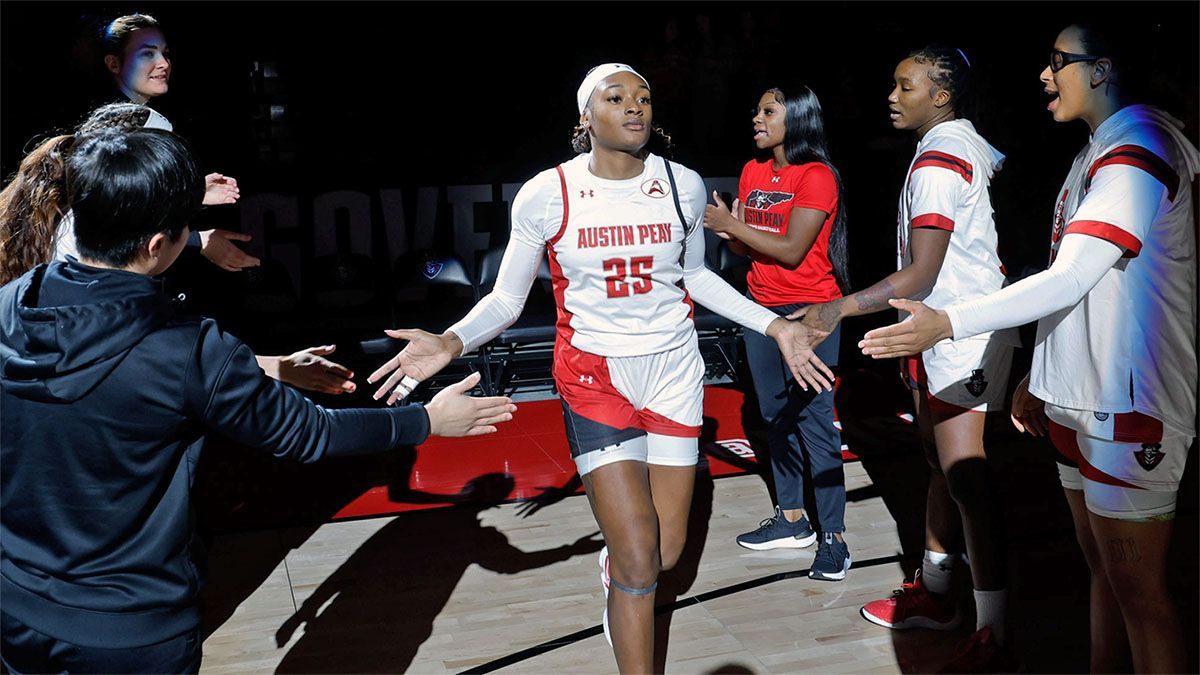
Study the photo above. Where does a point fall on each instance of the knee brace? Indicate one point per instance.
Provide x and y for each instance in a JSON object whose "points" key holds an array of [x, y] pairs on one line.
{"points": [[636, 592]]}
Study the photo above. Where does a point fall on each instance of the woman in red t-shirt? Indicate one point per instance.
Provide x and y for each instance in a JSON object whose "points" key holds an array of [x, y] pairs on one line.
{"points": [[792, 223]]}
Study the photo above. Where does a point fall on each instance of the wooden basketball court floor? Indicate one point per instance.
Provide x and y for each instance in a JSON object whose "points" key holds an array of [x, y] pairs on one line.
{"points": [[487, 585]]}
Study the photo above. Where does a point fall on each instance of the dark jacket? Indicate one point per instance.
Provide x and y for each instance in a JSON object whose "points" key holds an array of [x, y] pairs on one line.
{"points": [[105, 398]]}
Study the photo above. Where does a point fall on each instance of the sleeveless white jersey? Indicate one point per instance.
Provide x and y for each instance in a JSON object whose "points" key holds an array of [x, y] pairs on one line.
{"points": [[1128, 345], [614, 248], [947, 188]]}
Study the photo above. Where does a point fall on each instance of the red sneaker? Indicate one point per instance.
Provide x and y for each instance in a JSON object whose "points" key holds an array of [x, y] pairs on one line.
{"points": [[913, 607], [983, 654]]}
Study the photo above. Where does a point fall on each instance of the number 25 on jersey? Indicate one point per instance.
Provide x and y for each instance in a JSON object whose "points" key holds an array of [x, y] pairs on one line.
{"points": [[638, 268]]}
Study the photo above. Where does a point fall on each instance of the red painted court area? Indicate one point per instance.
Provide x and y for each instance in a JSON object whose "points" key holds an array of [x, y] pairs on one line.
{"points": [[532, 449]]}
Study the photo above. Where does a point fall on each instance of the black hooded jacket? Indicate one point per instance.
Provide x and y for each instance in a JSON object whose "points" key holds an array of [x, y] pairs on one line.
{"points": [[105, 397]]}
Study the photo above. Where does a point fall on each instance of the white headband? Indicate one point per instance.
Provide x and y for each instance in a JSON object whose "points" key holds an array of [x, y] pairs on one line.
{"points": [[593, 78]]}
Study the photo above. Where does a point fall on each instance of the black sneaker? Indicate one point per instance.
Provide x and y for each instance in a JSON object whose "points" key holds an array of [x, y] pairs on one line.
{"points": [[777, 532], [832, 561]]}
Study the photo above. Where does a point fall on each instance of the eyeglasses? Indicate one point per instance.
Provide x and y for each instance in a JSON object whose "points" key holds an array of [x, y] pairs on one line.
{"points": [[1060, 60]]}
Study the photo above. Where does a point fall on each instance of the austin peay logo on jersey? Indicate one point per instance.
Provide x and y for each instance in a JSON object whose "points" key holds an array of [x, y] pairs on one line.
{"points": [[761, 199], [1150, 456], [977, 384], [1060, 218], [656, 187]]}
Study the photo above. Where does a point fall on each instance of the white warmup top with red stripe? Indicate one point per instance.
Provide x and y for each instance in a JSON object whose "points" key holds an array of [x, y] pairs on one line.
{"points": [[1128, 345], [947, 188], [617, 256]]}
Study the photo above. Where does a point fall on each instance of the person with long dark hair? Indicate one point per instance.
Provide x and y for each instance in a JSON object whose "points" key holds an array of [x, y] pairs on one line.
{"points": [[792, 220], [37, 226], [622, 229], [947, 252], [1114, 373]]}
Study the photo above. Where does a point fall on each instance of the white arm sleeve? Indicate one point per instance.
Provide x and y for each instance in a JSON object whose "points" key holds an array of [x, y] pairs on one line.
{"points": [[702, 283], [500, 308], [1082, 261], [536, 216]]}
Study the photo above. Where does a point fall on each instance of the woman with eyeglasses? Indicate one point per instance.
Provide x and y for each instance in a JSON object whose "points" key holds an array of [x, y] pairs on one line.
{"points": [[1114, 371], [947, 252]]}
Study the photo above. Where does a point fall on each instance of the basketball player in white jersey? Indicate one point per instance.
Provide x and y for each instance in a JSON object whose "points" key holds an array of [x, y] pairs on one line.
{"points": [[624, 235], [947, 252], [1114, 369]]}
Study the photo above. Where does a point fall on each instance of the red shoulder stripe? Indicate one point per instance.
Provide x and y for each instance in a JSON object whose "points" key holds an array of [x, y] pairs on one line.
{"points": [[1140, 158], [945, 161]]}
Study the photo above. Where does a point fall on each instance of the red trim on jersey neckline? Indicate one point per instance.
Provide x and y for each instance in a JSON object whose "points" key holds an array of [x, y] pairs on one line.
{"points": [[945, 161], [562, 181], [1139, 158], [1108, 232], [934, 220], [1066, 441]]}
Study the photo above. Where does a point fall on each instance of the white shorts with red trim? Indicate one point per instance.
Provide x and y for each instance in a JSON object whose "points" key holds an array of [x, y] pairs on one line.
{"points": [[1120, 479], [962, 376], [1125, 449], [612, 400]]}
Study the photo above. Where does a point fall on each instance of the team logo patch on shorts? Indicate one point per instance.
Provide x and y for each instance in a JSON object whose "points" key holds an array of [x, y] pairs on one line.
{"points": [[1150, 456], [1100, 417], [977, 384]]}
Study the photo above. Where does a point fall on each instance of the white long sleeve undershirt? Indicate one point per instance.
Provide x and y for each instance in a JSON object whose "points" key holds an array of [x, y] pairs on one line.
{"points": [[1081, 262], [502, 307]]}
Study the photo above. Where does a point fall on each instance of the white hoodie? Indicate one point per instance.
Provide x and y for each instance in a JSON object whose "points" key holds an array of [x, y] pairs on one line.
{"points": [[947, 188]]}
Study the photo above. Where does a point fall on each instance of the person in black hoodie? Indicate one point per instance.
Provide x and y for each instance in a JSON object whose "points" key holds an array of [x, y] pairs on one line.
{"points": [[105, 399]]}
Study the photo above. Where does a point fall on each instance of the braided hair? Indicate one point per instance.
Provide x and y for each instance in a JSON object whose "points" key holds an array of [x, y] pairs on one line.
{"points": [[949, 70]]}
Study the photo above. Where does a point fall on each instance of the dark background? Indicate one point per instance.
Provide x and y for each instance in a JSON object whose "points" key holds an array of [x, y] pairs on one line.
{"points": [[374, 95]]}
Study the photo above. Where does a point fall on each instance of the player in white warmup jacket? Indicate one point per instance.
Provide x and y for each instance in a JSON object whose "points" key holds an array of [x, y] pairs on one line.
{"points": [[1114, 369], [623, 230]]}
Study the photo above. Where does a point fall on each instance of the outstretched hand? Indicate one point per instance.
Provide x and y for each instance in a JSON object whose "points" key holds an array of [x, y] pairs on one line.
{"points": [[218, 247], [423, 356], [219, 189], [453, 413], [309, 369], [796, 343], [923, 329]]}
